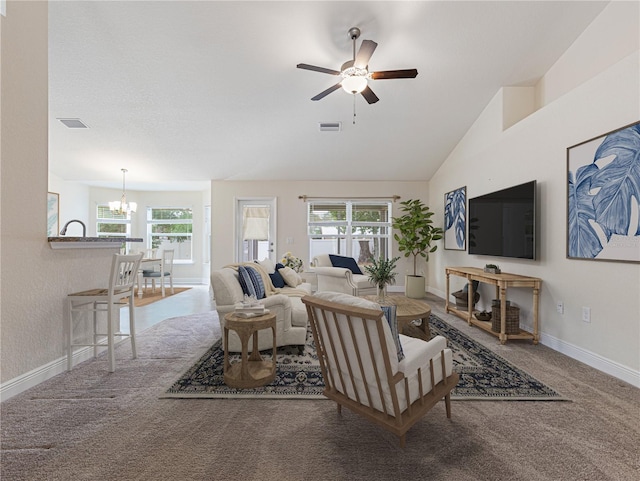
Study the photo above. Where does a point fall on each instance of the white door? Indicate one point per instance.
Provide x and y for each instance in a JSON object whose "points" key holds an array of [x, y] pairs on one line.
{"points": [[255, 229]]}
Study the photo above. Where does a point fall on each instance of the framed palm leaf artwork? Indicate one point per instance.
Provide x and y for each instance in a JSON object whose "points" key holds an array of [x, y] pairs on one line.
{"points": [[455, 219], [603, 197]]}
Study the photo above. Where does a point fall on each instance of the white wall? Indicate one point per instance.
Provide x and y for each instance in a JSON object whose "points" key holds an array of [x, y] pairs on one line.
{"points": [[586, 105], [34, 280], [292, 213]]}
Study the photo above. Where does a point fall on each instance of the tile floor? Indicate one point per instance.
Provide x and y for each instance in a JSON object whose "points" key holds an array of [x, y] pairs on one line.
{"points": [[195, 300]]}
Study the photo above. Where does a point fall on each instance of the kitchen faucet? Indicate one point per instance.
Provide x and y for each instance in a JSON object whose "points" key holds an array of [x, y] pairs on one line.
{"points": [[84, 227]]}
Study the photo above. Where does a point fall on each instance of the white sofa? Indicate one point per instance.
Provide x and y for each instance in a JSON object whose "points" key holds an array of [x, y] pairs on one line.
{"points": [[341, 279], [286, 303]]}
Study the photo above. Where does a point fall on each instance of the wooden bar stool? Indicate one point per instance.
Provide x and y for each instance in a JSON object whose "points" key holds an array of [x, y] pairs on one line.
{"points": [[124, 272]]}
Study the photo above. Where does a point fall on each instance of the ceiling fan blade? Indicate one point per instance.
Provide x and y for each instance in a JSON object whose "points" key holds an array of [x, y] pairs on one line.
{"points": [[390, 74], [364, 54], [369, 96], [323, 94], [317, 69]]}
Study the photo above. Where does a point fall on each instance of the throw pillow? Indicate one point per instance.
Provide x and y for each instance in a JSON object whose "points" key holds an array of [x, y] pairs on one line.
{"points": [[390, 316], [276, 279], [291, 277], [268, 265], [251, 282], [346, 262]]}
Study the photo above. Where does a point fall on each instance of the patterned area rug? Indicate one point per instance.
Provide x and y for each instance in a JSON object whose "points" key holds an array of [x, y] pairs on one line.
{"points": [[483, 374]]}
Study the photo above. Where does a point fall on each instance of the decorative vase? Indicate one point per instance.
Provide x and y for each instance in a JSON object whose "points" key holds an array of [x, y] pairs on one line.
{"points": [[381, 292]]}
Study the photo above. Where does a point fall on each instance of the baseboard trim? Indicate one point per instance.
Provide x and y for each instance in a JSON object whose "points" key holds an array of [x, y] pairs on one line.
{"points": [[589, 358], [40, 374], [592, 359]]}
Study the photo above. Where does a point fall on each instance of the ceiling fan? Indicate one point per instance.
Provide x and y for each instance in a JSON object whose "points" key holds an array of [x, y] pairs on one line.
{"points": [[355, 73]]}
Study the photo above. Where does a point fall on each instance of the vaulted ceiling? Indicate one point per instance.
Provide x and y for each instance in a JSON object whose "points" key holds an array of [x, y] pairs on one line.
{"points": [[182, 92]]}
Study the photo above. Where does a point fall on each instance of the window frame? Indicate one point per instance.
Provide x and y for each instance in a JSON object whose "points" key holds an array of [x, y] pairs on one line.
{"points": [[347, 229], [150, 222], [115, 220]]}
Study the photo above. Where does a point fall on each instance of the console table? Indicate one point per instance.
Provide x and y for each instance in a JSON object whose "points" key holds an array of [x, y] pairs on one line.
{"points": [[502, 282]]}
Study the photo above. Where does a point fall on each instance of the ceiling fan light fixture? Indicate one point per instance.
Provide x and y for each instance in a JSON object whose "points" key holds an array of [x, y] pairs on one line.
{"points": [[354, 84]]}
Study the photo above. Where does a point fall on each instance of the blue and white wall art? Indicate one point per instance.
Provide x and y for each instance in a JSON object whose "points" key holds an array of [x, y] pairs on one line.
{"points": [[455, 219], [603, 197]]}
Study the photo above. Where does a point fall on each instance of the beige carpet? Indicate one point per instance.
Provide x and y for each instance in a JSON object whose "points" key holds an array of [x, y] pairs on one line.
{"points": [[92, 425]]}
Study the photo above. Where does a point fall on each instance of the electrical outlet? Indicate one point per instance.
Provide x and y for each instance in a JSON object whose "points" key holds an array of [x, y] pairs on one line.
{"points": [[586, 314], [560, 307]]}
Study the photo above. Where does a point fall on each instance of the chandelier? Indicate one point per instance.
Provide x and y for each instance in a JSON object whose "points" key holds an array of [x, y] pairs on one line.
{"points": [[121, 206]]}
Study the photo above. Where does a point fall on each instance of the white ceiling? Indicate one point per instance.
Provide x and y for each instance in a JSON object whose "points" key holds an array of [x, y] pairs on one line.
{"points": [[180, 92]]}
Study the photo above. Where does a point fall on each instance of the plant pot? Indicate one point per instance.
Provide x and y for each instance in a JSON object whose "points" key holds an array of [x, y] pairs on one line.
{"points": [[414, 287]]}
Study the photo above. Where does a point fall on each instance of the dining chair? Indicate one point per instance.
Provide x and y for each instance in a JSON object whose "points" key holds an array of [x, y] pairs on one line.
{"points": [[122, 279], [166, 271]]}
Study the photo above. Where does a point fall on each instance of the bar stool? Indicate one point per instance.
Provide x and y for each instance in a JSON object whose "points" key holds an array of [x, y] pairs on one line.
{"points": [[124, 272]]}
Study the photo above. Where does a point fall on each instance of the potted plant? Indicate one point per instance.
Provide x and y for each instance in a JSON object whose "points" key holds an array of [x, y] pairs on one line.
{"points": [[381, 274], [492, 269], [415, 234]]}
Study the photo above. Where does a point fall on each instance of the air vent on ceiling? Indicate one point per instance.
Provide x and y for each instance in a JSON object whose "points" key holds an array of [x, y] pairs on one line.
{"points": [[74, 123], [330, 126]]}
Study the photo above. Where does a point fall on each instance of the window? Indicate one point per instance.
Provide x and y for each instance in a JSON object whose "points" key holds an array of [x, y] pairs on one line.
{"points": [[111, 224], [358, 229], [171, 228]]}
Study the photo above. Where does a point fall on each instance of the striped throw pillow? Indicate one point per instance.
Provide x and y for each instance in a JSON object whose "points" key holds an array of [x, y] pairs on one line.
{"points": [[251, 282], [390, 315]]}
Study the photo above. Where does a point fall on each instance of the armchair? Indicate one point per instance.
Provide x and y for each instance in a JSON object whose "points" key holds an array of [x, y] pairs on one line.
{"points": [[362, 370], [341, 279]]}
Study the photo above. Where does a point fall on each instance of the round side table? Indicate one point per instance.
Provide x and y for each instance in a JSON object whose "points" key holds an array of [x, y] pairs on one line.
{"points": [[251, 370], [408, 310]]}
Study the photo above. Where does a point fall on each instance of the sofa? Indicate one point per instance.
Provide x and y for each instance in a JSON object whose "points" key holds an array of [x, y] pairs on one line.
{"points": [[345, 276], [285, 302]]}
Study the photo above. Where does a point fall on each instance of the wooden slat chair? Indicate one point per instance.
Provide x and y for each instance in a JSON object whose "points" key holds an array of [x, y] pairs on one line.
{"points": [[360, 366]]}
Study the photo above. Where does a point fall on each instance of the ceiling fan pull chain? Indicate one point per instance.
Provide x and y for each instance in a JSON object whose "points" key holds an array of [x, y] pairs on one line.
{"points": [[354, 109]]}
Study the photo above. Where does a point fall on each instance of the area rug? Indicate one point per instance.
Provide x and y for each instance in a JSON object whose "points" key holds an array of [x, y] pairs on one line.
{"points": [[483, 374], [148, 296]]}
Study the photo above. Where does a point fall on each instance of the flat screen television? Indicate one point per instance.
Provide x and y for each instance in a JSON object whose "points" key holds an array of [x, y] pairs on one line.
{"points": [[503, 223]]}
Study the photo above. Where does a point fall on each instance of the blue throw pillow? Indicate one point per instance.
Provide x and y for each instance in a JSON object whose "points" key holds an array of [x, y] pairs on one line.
{"points": [[346, 262], [390, 315], [276, 279], [251, 282]]}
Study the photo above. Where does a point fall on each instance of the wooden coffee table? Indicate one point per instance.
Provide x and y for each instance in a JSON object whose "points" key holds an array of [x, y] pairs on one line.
{"points": [[409, 310], [251, 371]]}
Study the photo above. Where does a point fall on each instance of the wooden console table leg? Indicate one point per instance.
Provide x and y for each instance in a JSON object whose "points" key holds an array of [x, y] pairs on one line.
{"points": [[469, 300], [536, 298], [503, 315], [446, 299]]}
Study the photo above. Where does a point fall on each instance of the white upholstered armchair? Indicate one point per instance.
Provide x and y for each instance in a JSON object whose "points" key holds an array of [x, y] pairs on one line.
{"points": [[342, 279], [389, 379]]}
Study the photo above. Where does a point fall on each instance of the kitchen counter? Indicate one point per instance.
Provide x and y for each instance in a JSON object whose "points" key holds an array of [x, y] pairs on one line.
{"points": [[67, 242]]}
